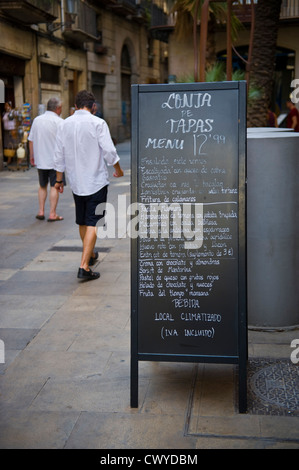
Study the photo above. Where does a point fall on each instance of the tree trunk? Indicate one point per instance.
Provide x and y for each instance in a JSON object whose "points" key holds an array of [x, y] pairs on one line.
{"points": [[211, 55], [263, 59]]}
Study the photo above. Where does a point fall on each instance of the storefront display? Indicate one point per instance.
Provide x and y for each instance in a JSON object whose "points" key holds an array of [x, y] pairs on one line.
{"points": [[16, 126]]}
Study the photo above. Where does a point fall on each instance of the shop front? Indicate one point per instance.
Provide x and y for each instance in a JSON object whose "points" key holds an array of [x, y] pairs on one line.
{"points": [[15, 114]]}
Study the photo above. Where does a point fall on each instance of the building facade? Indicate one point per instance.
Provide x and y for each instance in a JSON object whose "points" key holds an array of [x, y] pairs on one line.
{"points": [[58, 47]]}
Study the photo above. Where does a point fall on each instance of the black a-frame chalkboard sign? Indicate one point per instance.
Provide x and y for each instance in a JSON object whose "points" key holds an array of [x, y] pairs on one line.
{"points": [[188, 227]]}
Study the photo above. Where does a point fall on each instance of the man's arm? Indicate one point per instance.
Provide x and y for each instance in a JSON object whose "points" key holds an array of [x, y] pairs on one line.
{"points": [[31, 153], [59, 164], [59, 185], [118, 171]]}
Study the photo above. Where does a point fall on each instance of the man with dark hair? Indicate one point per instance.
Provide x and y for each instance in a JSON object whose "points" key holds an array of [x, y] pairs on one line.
{"points": [[84, 99], [42, 138], [83, 148]]}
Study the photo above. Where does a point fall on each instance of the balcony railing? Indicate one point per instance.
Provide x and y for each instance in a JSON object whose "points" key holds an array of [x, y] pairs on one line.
{"points": [[289, 9], [83, 27], [242, 9], [133, 9], [30, 11], [158, 16]]}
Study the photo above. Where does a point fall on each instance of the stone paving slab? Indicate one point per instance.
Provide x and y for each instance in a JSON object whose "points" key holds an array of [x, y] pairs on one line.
{"points": [[40, 283], [129, 431], [29, 311], [25, 429], [66, 380]]}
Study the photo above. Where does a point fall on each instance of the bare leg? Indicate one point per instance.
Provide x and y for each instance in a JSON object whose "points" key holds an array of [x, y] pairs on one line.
{"points": [[42, 196], [54, 196], [89, 237]]}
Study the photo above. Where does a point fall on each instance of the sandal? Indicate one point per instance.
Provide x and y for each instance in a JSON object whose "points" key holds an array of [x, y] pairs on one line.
{"points": [[56, 219]]}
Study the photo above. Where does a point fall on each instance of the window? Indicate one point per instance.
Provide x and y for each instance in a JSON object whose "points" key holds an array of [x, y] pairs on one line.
{"points": [[49, 73]]}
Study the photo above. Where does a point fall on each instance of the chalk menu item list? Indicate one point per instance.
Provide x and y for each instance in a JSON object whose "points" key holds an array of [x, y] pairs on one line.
{"points": [[186, 180]]}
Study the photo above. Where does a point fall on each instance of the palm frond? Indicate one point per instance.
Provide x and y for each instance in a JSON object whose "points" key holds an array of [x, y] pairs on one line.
{"points": [[216, 73]]}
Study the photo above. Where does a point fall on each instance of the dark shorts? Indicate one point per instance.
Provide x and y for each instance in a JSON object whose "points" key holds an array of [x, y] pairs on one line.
{"points": [[86, 207], [45, 176]]}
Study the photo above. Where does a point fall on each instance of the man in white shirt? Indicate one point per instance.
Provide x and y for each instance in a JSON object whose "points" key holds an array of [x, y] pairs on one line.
{"points": [[42, 138], [83, 148]]}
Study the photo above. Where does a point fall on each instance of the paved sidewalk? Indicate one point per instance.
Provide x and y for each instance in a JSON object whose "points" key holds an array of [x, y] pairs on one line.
{"points": [[65, 383]]}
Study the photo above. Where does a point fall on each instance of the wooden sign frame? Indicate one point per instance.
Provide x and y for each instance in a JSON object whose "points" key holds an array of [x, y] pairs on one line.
{"points": [[143, 116]]}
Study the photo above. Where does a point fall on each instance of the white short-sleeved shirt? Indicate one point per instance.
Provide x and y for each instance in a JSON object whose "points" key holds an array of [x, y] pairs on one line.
{"points": [[43, 135], [83, 148]]}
